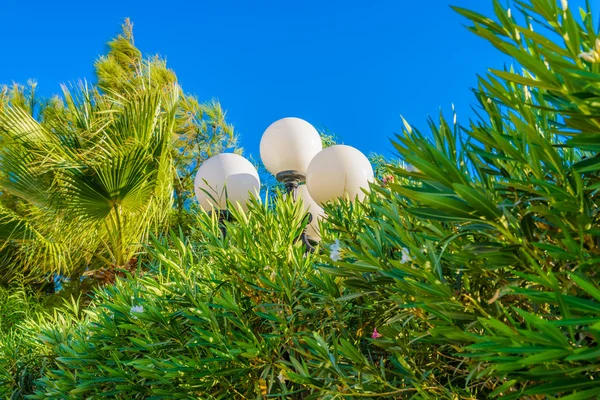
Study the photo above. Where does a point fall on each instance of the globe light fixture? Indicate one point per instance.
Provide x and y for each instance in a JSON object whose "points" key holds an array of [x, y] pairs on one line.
{"points": [[286, 148], [225, 177], [338, 172]]}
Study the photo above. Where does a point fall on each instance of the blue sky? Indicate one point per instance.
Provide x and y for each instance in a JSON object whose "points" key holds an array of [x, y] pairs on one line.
{"points": [[351, 66]]}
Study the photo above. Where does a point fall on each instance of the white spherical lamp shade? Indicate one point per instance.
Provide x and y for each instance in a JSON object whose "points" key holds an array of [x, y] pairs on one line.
{"points": [[338, 172], [224, 177], [288, 145], [311, 206]]}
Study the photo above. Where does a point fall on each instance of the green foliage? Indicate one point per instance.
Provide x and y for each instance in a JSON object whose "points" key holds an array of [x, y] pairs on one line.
{"points": [[24, 97], [470, 273], [16, 305], [23, 357], [200, 131], [219, 318], [106, 181], [248, 316], [101, 163], [487, 258]]}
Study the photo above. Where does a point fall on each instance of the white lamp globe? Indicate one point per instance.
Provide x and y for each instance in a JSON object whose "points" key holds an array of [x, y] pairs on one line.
{"points": [[337, 172], [288, 145], [223, 177], [311, 206]]}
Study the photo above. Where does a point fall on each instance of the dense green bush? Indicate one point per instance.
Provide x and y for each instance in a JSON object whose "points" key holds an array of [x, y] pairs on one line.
{"points": [[484, 256], [248, 316], [217, 319], [232, 318], [23, 356]]}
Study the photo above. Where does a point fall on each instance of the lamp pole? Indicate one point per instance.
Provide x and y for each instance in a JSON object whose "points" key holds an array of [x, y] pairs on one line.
{"points": [[291, 179], [223, 215]]}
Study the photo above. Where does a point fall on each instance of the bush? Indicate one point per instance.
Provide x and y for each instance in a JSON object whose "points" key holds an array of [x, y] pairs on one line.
{"points": [[23, 357], [482, 259], [233, 318]]}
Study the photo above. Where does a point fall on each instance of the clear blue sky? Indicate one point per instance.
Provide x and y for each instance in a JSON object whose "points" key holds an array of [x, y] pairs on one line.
{"points": [[351, 66]]}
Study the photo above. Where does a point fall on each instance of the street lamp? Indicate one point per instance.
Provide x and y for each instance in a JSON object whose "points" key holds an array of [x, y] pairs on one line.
{"points": [[291, 149]]}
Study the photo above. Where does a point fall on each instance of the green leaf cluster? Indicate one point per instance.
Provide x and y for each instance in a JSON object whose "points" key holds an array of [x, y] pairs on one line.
{"points": [[87, 175], [246, 316], [487, 254]]}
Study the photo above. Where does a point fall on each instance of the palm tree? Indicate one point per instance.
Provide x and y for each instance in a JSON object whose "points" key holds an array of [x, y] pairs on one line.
{"points": [[201, 129], [86, 176], [96, 177]]}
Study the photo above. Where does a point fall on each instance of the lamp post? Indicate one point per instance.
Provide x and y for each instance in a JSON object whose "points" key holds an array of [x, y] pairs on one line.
{"points": [[291, 149]]}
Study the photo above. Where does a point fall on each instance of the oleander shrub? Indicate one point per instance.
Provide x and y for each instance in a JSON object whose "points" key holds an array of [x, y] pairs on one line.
{"points": [[245, 316], [482, 260], [23, 356], [17, 305]]}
